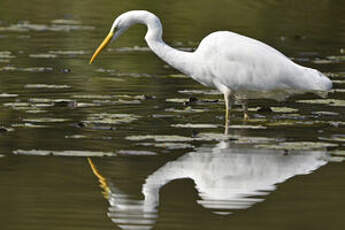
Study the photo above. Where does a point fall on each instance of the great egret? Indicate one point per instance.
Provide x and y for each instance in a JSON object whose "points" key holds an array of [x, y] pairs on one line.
{"points": [[238, 66]]}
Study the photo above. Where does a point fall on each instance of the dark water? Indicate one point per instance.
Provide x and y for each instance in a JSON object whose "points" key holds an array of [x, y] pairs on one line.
{"points": [[155, 162]]}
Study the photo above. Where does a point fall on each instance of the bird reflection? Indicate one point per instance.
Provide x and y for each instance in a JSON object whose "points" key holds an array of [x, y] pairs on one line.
{"points": [[227, 178]]}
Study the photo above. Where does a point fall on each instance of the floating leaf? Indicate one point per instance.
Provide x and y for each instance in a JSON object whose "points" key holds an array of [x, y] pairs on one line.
{"points": [[131, 49], [69, 153], [160, 138], [330, 102], [339, 81], [198, 126], [17, 104], [326, 113], [44, 86], [28, 125], [8, 95], [46, 120], [90, 96], [177, 100], [284, 110], [177, 76], [168, 145], [43, 56], [340, 58], [336, 159], [65, 21], [5, 129], [337, 138], [36, 110], [27, 26], [338, 90], [136, 153], [247, 127], [31, 69], [69, 52], [298, 145], [205, 92], [186, 110], [338, 152], [106, 118], [6, 54], [254, 140], [76, 137]]}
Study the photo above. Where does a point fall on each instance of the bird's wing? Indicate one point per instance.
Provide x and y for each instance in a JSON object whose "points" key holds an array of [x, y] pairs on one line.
{"points": [[242, 63]]}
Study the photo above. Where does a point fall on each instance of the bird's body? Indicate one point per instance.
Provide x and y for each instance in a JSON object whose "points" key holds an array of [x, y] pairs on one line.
{"points": [[252, 69], [236, 65]]}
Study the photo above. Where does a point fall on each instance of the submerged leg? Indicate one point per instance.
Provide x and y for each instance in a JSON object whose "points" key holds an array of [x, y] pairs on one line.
{"points": [[227, 112], [245, 110]]}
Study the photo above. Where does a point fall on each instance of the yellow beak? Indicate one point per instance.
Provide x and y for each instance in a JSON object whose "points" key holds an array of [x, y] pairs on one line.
{"points": [[102, 46]]}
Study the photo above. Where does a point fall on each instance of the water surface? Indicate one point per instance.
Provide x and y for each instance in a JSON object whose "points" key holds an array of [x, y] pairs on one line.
{"points": [[117, 145]]}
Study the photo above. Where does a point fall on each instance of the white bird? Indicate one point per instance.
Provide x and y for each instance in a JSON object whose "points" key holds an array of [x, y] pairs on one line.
{"points": [[238, 66]]}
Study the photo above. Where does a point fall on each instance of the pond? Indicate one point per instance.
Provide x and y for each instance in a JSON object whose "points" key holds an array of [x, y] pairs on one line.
{"points": [[130, 143]]}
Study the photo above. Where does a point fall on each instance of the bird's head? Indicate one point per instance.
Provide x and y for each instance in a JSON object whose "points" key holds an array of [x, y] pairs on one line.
{"points": [[120, 25]]}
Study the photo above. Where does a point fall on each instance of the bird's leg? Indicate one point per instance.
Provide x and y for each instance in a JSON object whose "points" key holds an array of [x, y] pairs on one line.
{"points": [[245, 110], [227, 112]]}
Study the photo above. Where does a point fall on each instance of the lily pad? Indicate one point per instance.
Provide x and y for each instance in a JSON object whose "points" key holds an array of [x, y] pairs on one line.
{"points": [[136, 153], [45, 86], [30, 69], [69, 52], [284, 110], [17, 104], [325, 113], [247, 127], [338, 153], [338, 90], [254, 140], [336, 159], [205, 92], [6, 55], [160, 138], [132, 49], [5, 129], [177, 100], [168, 145], [28, 125], [322, 61], [330, 102], [186, 110], [336, 138], [177, 76], [43, 56], [340, 58], [306, 145], [215, 137], [27, 26], [76, 137], [106, 118], [4, 95], [69, 153], [36, 110], [90, 96], [45, 120], [65, 21], [195, 126]]}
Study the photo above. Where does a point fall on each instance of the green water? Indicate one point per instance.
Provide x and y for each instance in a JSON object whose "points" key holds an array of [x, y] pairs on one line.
{"points": [[156, 163]]}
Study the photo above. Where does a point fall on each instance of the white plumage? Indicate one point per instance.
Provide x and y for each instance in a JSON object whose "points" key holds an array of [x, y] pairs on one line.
{"points": [[238, 66]]}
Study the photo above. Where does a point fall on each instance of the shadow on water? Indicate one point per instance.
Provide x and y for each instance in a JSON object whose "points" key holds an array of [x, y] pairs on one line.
{"points": [[227, 178]]}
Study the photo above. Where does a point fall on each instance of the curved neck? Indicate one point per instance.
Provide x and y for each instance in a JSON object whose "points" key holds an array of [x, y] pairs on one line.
{"points": [[178, 59]]}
